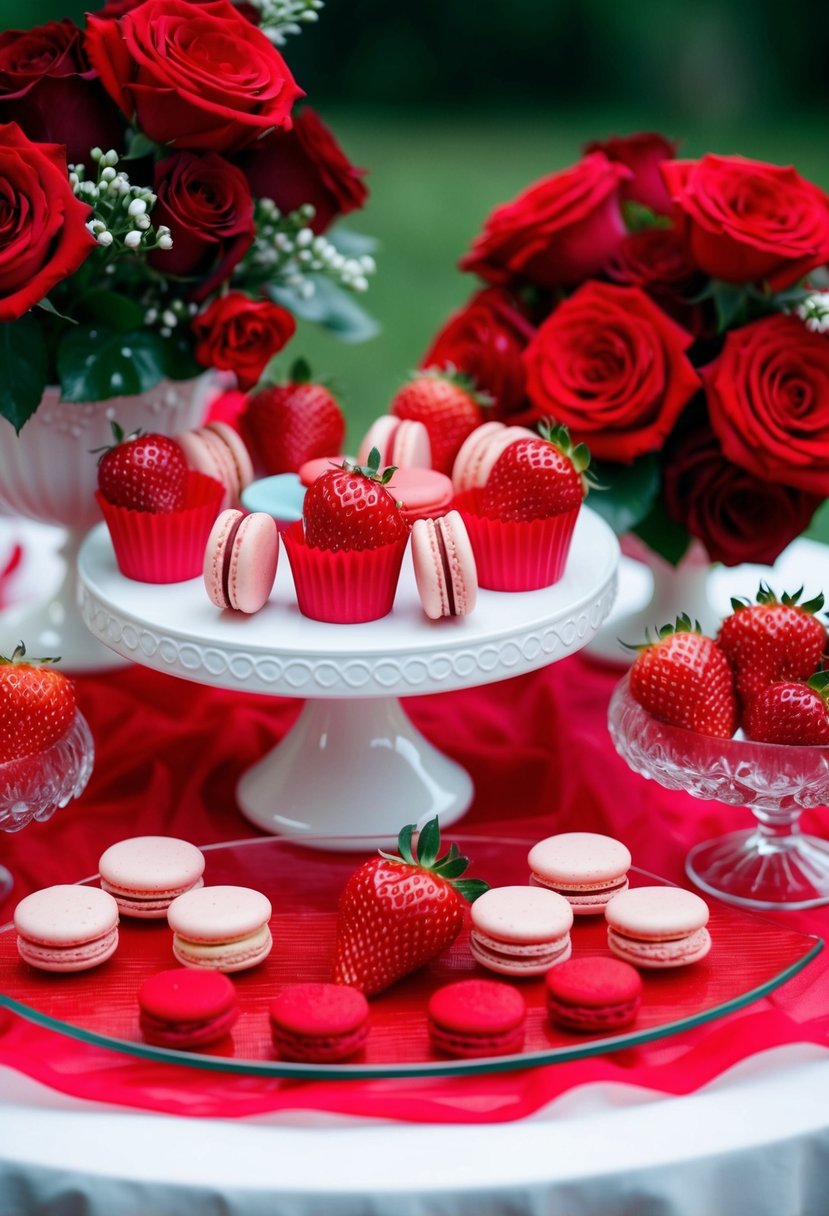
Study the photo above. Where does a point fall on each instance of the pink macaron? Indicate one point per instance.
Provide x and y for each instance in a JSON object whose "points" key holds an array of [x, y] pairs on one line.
{"points": [[222, 928], [312, 469], [185, 1009], [240, 560], [593, 995], [422, 493], [477, 1018], [66, 928], [587, 868], [319, 1022], [403, 442], [479, 451], [144, 874], [520, 930], [219, 451], [444, 566], [656, 927]]}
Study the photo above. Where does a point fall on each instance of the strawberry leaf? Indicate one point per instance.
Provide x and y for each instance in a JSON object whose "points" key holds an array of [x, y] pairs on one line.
{"points": [[428, 843], [470, 888], [404, 844]]}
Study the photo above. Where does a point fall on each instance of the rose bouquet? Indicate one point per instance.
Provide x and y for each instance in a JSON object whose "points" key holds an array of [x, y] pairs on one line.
{"points": [[164, 207], [667, 311]]}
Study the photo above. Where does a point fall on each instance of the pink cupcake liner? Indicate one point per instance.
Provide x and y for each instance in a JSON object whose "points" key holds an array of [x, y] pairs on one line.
{"points": [[168, 547], [343, 587], [514, 555]]}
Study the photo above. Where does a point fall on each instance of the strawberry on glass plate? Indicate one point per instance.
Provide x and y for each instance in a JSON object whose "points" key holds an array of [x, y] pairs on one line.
{"points": [[46, 749]]}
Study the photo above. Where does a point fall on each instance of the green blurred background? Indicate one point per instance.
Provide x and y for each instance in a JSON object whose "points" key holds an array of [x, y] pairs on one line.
{"points": [[456, 105]]}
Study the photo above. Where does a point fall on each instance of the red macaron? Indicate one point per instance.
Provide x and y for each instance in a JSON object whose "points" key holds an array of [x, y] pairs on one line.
{"points": [[477, 1018], [593, 994], [319, 1023], [186, 1009]]}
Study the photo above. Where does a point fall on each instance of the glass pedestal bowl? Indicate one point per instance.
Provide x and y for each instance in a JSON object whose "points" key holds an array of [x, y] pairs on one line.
{"points": [[773, 865], [34, 787]]}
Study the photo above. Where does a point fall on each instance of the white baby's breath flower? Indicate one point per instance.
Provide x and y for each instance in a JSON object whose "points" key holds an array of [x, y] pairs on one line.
{"points": [[132, 239]]}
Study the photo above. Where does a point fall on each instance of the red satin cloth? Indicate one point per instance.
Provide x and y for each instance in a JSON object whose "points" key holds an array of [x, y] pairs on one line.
{"points": [[169, 754]]}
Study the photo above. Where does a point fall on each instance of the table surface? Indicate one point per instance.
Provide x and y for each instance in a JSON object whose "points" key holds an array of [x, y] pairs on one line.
{"points": [[755, 1141]]}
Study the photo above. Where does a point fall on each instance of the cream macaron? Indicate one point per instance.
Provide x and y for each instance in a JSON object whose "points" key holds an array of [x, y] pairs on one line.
{"points": [[224, 928], [587, 868], [520, 930]]}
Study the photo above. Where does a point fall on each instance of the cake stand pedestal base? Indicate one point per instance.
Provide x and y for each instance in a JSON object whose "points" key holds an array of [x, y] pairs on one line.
{"points": [[348, 762], [55, 627]]}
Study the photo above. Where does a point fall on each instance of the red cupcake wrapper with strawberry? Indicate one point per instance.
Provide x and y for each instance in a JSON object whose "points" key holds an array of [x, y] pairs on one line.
{"points": [[164, 547], [517, 555], [343, 586]]}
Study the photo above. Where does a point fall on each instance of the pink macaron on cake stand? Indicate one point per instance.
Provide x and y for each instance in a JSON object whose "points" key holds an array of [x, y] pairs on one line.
{"points": [[353, 763], [772, 865], [34, 787]]}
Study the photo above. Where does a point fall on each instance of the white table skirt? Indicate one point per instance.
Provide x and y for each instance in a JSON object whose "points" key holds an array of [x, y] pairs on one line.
{"points": [[753, 1143]]}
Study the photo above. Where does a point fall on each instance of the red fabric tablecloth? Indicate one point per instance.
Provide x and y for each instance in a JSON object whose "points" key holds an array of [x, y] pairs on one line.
{"points": [[169, 754]]}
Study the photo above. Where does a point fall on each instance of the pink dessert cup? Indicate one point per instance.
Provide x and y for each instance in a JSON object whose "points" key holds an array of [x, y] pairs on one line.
{"points": [[344, 587], [165, 547], [516, 555]]}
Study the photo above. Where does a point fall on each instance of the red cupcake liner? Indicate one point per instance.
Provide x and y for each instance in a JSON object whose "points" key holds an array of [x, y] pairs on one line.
{"points": [[344, 587], [516, 555], [168, 547]]}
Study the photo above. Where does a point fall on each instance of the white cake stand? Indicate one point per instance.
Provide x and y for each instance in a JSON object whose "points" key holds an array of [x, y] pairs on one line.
{"points": [[353, 764]]}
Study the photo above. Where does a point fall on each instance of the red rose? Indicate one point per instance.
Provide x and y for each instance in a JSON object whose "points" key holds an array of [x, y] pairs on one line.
{"points": [[768, 396], [43, 233], [657, 260], [194, 75], [48, 87], [117, 8], [738, 517], [241, 335], [305, 165], [561, 230], [485, 339], [206, 204], [643, 153], [611, 365], [745, 221]]}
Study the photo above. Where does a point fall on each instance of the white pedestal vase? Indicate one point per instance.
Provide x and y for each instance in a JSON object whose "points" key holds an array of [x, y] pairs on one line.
{"points": [[675, 590], [49, 473]]}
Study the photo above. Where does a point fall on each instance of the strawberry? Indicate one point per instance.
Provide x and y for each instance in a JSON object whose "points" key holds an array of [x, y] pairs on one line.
{"points": [[535, 478], [288, 424], [774, 639], [447, 405], [789, 711], [350, 508], [144, 472], [37, 705], [398, 912], [684, 679]]}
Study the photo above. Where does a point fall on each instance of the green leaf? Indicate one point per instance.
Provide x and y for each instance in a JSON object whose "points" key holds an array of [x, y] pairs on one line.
{"points": [[47, 306], [638, 217], [428, 843], [177, 355], [352, 244], [626, 492], [452, 868], [404, 843], [731, 303], [470, 888], [24, 369], [659, 532], [112, 309], [95, 363], [331, 307], [141, 145]]}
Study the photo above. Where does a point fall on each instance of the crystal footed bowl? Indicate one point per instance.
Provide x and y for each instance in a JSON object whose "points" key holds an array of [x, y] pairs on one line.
{"points": [[772, 865], [36, 786]]}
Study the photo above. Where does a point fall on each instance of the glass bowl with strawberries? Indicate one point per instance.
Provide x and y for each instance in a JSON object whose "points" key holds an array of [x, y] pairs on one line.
{"points": [[739, 720], [46, 748]]}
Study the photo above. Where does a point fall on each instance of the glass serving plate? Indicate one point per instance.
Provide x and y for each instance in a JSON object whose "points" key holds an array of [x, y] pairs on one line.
{"points": [[750, 957]]}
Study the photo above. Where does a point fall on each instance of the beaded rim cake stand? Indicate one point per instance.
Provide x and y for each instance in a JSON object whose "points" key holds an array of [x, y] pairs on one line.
{"points": [[353, 764], [773, 865]]}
